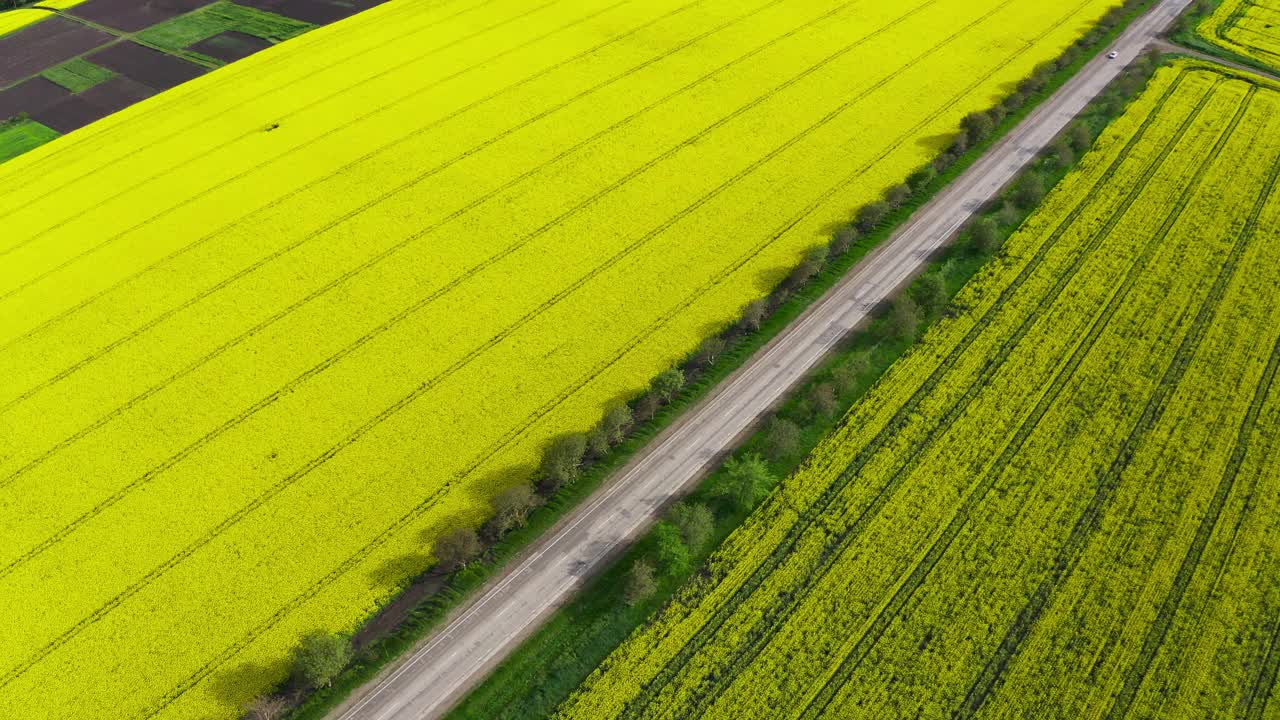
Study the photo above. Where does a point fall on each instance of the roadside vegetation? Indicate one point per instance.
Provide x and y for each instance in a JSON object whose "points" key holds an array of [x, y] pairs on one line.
{"points": [[548, 667], [969, 538]]}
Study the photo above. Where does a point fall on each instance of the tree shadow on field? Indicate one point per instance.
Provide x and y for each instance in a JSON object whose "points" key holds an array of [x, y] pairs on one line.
{"points": [[767, 279], [409, 579], [392, 575], [936, 144], [238, 685]]}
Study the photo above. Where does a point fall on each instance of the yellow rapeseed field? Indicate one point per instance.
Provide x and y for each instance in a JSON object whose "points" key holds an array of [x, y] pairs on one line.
{"points": [[1063, 503], [1247, 27], [263, 336], [13, 20], [17, 19]]}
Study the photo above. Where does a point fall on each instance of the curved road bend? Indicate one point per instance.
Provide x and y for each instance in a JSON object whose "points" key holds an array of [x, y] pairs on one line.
{"points": [[428, 681]]}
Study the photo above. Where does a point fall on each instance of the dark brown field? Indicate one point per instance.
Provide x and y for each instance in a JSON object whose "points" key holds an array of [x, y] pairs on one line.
{"points": [[152, 68], [230, 46], [97, 102], [45, 44], [319, 12], [133, 15], [30, 97]]}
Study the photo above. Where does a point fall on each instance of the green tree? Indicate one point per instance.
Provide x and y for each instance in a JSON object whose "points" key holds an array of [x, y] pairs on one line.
{"points": [[268, 707], [1079, 137], [1029, 192], [847, 374], [822, 399], [904, 318], [1060, 153], [669, 550], [985, 236], [843, 240], [510, 511], [871, 215], [752, 315], [931, 293], [709, 351], [597, 443], [978, 126], [811, 265], [456, 548], [667, 384], [319, 658], [897, 195], [561, 462], [616, 422], [781, 438], [647, 406], [696, 523], [640, 583], [921, 178], [742, 481]]}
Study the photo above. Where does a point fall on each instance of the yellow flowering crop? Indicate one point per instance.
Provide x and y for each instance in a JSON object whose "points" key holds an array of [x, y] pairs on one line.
{"points": [[12, 20], [1247, 27], [264, 336], [1063, 503]]}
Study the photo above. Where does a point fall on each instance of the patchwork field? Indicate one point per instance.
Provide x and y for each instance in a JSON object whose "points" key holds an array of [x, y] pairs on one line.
{"points": [[1063, 503], [264, 335], [1247, 27]]}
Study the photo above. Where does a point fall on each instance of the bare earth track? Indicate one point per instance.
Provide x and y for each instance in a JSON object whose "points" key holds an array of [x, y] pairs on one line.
{"points": [[429, 680]]}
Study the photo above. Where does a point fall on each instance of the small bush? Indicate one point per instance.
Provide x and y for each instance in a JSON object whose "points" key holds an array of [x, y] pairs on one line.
{"points": [[455, 549], [781, 438], [640, 583], [696, 523], [668, 384], [669, 550], [871, 215], [904, 318], [931, 293], [561, 462], [985, 236]]}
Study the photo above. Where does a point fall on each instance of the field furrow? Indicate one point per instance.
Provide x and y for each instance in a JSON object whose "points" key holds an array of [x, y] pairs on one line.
{"points": [[1027, 508]]}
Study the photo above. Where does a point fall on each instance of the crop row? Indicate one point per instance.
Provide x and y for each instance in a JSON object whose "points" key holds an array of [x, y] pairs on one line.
{"points": [[964, 550], [1247, 27]]}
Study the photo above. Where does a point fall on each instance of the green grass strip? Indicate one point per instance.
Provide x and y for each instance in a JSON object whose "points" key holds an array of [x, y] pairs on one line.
{"points": [[19, 136], [78, 75], [179, 33]]}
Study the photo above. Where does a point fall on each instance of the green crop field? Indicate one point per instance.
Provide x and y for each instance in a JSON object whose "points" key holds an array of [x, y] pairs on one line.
{"points": [[206, 22], [18, 136], [78, 75], [1065, 502]]}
